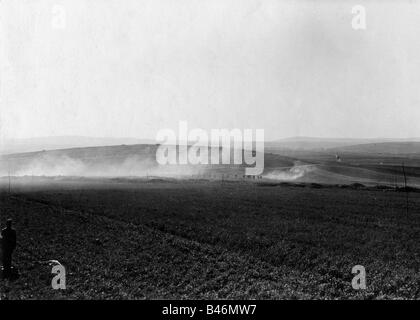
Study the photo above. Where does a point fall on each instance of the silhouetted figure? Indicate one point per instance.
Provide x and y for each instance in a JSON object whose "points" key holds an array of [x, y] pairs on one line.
{"points": [[8, 244]]}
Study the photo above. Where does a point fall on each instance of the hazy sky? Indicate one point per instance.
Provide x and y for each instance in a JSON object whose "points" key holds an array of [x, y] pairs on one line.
{"points": [[129, 68]]}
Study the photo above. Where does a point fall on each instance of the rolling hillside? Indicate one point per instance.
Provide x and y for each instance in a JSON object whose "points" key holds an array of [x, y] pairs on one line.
{"points": [[358, 164], [397, 148]]}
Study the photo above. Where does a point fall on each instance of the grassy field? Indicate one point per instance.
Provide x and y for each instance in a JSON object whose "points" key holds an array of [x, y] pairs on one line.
{"points": [[207, 239]]}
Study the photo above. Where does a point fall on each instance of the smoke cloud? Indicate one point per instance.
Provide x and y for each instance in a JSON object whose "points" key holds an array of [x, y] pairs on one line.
{"points": [[298, 170], [63, 165]]}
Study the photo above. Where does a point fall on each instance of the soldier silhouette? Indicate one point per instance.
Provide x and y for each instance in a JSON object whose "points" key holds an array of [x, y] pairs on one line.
{"points": [[8, 244]]}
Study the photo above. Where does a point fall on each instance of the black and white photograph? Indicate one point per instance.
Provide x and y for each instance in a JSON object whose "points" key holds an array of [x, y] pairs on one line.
{"points": [[228, 151]]}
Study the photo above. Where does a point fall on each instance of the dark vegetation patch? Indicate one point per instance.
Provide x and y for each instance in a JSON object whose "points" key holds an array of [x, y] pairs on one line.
{"points": [[214, 240]]}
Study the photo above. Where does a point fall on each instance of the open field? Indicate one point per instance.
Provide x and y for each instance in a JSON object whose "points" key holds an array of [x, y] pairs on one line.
{"points": [[212, 239]]}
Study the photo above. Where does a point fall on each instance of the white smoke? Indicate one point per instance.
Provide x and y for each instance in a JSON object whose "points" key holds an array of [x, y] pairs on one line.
{"points": [[134, 166], [290, 174], [51, 166]]}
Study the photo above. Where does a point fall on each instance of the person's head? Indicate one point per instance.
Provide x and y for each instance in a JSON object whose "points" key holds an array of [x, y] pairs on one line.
{"points": [[9, 223]]}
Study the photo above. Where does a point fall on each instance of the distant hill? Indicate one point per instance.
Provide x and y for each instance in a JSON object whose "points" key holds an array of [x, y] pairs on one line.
{"points": [[394, 148], [320, 144], [294, 143], [62, 142]]}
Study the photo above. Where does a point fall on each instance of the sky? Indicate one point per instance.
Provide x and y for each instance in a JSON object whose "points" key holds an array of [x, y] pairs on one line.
{"points": [[112, 68]]}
